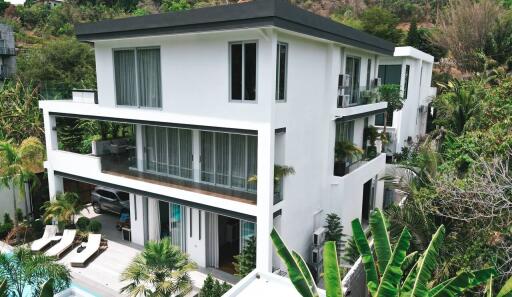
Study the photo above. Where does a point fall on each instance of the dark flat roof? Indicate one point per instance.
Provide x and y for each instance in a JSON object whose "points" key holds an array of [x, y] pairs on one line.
{"points": [[257, 13]]}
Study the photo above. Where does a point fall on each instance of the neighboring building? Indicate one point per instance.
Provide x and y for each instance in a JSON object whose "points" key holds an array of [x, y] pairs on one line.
{"points": [[7, 52], [218, 95], [412, 70]]}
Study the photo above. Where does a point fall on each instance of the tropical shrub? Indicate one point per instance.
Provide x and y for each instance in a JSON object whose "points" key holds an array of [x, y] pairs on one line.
{"points": [[82, 223], [63, 208], [213, 287], [94, 226], [160, 270], [246, 261], [25, 272]]}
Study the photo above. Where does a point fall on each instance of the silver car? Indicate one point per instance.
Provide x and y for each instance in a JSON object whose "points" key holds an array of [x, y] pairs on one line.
{"points": [[111, 200]]}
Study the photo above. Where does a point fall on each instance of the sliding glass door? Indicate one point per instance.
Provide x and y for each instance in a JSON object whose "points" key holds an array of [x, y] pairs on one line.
{"points": [[229, 159], [177, 225], [168, 151]]}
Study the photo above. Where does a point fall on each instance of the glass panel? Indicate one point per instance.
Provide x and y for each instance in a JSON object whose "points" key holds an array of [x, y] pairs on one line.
{"points": [[124, 69], [236, 71], [238, 178], [207, 157], [390, 74], [177, 226], [252, 160], [222, 158], [368, 73], [161, 150], [186, 153], [281, 71], [247, 231], [174, 151], [406, 82], [250, 71], [150, 150], [148, 64]]}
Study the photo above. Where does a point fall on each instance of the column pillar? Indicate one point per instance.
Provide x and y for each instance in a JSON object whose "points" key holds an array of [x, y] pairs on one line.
{"points": [[55, 183], [139, 143], [266, 138], [196, 152]]}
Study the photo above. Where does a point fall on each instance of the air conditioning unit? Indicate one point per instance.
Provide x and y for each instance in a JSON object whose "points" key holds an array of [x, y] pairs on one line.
{"points": [[343, 81], [346, 100], [377, 82], [317, 254], [319, 236]]}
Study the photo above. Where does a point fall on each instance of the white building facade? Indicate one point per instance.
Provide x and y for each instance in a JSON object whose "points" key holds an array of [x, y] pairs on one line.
{"points": [[217, 96], [412, 70]]}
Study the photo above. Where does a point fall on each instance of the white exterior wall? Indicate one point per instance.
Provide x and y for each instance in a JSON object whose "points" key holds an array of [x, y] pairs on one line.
{"points": [[409, 122], [195, 91]]}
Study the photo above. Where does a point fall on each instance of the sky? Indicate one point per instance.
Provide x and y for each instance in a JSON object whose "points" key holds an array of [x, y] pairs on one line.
{"points": [[16, 2]]}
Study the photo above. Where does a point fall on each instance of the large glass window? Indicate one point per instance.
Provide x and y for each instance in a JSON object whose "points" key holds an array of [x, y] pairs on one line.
{"points": [[137, 77], [353, 68], [228, 159], [389, 74], [345, 131], [243, 63], [247, 230], [406, 80], [281, 73], [177, 225], [168, 151]]}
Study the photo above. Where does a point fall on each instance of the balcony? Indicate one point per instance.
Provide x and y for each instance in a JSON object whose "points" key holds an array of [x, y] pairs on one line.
{"points": [[348, 97], [124, 163]]}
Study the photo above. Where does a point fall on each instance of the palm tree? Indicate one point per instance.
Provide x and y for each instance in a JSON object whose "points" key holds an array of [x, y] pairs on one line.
{"points": [[19, 164], [24, 269], [160, 270], [63, 208]]}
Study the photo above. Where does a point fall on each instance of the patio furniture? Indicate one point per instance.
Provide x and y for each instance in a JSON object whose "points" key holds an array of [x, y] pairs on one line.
{"points": [[68, 237], [92, 247], [46, 239]]}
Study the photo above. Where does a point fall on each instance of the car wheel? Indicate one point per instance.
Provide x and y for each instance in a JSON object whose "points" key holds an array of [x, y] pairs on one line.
{"points": [[96, 207]]}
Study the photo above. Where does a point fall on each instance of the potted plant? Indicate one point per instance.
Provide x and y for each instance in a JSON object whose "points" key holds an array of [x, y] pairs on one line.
{"points": [[371, 136], [344, 150]]}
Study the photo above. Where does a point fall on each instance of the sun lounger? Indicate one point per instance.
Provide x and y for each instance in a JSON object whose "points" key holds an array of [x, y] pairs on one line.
{"points": [[48, 236], [67, 240], [92, 247]]}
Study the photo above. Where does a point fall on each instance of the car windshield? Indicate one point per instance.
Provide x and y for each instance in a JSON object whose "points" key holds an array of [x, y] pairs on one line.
{"points": [[123, 196]]}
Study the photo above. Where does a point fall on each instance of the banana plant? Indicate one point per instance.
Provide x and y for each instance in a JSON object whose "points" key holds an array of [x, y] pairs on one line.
{"points": [[47, 289], [3, 288], [505, 291], [385, 273]]}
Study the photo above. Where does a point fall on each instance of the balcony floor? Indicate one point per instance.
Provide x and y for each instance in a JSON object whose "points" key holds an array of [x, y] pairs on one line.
{"points": [[177, 183]]}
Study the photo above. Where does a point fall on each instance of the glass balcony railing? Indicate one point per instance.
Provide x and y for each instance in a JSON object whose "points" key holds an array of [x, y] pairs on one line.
{"points": [[351, 97], [125, 163]]}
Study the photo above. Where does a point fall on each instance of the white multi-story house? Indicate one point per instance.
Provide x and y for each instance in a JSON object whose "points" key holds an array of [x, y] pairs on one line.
{"points": [[219, 95], [412, 70]]}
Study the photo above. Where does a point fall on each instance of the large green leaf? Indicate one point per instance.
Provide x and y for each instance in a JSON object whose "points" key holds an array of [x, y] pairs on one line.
{"points": [[372, 279], [427, 264], [506, 290], [305, 270], [405, 290], [380, 240], [409, 261], [393, 274], [47, 289], [462, 282], [332, 278], [294, 272], [3, 288]]}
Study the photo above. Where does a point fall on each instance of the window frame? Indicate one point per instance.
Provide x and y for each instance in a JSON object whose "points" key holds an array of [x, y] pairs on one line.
{"points": [[407, 74], [134, 49], [354, 92], [278, 71], [230, 77]]}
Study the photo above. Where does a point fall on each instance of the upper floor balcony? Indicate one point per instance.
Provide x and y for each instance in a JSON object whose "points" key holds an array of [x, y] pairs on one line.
{"points": [[349, 97]]}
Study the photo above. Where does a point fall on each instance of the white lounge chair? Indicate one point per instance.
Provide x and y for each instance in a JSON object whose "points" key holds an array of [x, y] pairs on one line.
{"points": [[66, 241], [92, 247], [49, 232]]}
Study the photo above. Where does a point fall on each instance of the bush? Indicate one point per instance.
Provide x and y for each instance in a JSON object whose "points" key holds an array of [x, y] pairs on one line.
{"points": [[37, 227], [19, 215], [83, 223], [5, 229], [213, 288], [7, 218], [246, 261], [94, 226]]}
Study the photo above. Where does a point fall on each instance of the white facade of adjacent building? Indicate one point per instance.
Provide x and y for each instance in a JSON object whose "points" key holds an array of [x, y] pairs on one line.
{"points": [[216, 96]]}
